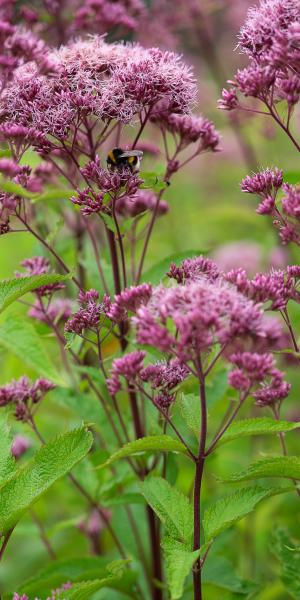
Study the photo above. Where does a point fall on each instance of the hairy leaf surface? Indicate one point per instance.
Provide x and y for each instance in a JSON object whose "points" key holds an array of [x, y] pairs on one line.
{"points": [[171, 506], [151, 443], [32, 480], [228, 510], [12, 289], [280, 466], [179, 562], [260, 426]]}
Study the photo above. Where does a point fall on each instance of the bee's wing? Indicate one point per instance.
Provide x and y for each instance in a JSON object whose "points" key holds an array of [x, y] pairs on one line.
{"points": [[128, 153]]}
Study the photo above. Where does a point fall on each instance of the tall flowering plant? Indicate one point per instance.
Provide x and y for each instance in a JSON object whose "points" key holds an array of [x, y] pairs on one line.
{"points": [[137, 353]]}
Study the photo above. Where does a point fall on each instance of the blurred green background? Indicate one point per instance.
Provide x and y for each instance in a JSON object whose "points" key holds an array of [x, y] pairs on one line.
{"points": [[207, 211]]}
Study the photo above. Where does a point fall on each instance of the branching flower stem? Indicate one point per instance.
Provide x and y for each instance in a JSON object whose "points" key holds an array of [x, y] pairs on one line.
{"points": [[198, 479]]}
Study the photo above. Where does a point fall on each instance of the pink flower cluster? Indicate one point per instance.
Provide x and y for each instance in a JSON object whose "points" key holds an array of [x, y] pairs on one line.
{"points": [[88, 315], [163, 378], [206, 308], [253, 369], [129, 367], [192, 269], [93, 78], [189, 319], [39, 265], [101, 16], [270, 38], [22, 393], [276, 287], [189, 128], [286, 217], [129, 300]]}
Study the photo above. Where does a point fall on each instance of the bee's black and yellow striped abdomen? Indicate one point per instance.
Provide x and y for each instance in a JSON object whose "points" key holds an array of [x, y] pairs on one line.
{"points": [[118, 158]]}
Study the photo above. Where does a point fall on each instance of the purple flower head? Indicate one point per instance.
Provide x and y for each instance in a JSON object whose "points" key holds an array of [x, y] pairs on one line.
{"points": [[165, 375], [131, 206], [265, 182], [194, 269], [238, 380], [38, 265], [274, 392], [276, 287], [89, 313], [263, 24], [113, 181], [9, 167], [253, 369], [104, 15], [229, 100], [129, 300], [189, 128], [20, 445], [129, 367], [266, 206], [164, 400], [290, 89], [255, 80], [291, 200], [20, 138], [270, 38], [22, 393], [255, 366], [18, 597], [89, 202], [201, 313]]}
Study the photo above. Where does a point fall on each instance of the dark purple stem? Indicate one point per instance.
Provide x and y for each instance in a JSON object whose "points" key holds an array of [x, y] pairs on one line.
{"points": [[283, 126], [198, 480]]}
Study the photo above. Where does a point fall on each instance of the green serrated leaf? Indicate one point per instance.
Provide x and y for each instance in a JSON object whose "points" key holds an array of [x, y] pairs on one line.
{"points": [[190, 410], [281, 466], [179, 563], [85, 590], [12, 289], [229, 510], [219, 571], [259, 426], [151, 443], [58, 572], [21, 338], [171, 506], [7, 462], [158, 271], [31, 481], [288, 553]]}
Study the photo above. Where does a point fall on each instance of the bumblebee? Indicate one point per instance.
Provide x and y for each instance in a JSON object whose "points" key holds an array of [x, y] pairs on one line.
{"points": [[118, 158]]}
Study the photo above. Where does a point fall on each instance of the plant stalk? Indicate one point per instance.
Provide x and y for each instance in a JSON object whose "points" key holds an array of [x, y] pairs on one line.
{"points": [[198, 481]]}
